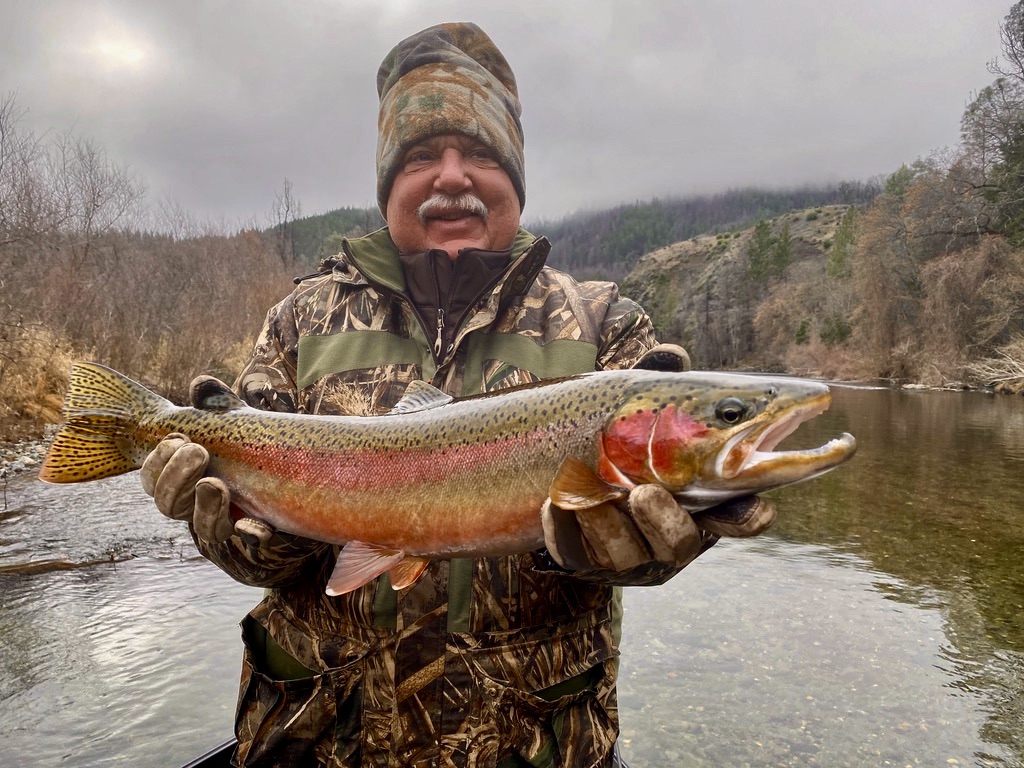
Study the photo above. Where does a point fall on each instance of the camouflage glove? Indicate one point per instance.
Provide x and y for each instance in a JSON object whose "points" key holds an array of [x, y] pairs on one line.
{"points": [[648, 527], [173, 475]]}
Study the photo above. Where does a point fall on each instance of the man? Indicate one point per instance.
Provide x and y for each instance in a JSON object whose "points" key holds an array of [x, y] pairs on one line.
{"points": [[488, 662]]}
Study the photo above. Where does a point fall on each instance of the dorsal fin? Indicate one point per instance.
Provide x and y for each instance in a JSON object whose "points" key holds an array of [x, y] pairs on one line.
{"points": [[210, 394], [420, 396]]}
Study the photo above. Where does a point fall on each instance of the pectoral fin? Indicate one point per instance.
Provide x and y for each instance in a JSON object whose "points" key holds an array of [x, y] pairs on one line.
{"points": [[360, 563], [577, 486]]}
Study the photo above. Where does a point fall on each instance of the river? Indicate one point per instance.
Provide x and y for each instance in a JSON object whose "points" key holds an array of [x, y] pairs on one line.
{"points": [[880, 622]]}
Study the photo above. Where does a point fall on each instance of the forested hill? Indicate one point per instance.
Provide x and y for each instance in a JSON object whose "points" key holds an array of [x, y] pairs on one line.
{"points": [[313, 237], [607, 244], [603, 244]]}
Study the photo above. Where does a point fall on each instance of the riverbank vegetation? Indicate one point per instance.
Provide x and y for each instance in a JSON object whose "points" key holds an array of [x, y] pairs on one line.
{"points": [[918, 277], [88, 271]]}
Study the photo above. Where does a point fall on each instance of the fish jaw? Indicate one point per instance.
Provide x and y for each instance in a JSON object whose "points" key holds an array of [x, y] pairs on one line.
{"points": [[755, 445], [747, 463]]}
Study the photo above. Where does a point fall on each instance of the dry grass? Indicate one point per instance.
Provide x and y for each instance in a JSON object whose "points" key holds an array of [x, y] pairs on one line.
{"points": [[1005, 371], [33, 379]]}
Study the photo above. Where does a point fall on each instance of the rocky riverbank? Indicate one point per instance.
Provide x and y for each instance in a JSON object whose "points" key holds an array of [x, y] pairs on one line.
{"points": [[24, 456]]}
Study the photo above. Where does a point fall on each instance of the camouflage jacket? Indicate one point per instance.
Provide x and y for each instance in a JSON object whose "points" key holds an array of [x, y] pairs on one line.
{"points": [[486, 662]]}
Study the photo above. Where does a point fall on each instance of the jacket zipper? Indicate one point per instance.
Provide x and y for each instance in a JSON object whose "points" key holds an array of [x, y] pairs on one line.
{"points": [[440, 334], [443, 311]]}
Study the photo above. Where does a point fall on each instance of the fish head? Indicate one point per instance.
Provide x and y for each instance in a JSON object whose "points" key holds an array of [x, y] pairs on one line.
{"points": [[710, 437]]}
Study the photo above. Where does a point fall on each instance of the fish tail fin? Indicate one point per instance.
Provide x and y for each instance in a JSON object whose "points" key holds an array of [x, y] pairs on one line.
{"points": [[102, 411]]}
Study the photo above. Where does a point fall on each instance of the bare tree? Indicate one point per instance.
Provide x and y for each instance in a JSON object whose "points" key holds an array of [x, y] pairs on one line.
{"points": [[25, 208], [1011, 38], [286, 210], [61, 198]]}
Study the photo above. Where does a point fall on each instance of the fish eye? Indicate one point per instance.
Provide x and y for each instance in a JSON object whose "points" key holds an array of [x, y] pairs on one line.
{"points": [[731, 411]]}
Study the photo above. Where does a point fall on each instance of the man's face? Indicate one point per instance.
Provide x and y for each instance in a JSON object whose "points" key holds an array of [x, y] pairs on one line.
{"points": [[450, 193]]}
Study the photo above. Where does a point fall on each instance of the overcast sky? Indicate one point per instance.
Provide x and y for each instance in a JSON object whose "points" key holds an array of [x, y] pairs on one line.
{"points": [[213, 104]]}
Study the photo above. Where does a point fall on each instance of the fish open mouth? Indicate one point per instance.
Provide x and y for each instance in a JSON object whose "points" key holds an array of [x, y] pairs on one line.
{"points": [[748, 463]]}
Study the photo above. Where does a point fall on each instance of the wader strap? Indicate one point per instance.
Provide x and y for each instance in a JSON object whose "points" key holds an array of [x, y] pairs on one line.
{"points": [[617, 615], [385, 603], [320, 356], [460, 593], [561, 357]]}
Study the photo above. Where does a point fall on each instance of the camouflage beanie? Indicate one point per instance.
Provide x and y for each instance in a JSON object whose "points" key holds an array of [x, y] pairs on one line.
{"points": [[447, 79]]}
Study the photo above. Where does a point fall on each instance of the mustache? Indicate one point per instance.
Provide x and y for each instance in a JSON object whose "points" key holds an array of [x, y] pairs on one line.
{"points": [[440, 203]]}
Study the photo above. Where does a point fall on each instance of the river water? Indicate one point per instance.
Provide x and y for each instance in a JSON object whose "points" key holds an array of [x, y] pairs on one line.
{"points": [[879, 623]]}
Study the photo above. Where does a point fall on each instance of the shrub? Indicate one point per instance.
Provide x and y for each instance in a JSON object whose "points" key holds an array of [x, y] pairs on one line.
{"points": [[834, 330], [803, 332]]}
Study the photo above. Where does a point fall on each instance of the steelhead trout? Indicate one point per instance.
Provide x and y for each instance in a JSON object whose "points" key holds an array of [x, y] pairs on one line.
{"points": [[442, 478]]}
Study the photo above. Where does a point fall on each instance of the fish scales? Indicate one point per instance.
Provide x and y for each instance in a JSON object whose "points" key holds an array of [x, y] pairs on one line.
{"points": [[462, 478], [444, 453]]}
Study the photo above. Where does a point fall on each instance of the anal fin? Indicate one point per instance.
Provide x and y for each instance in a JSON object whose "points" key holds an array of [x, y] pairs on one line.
{"points": [[360, 563]]}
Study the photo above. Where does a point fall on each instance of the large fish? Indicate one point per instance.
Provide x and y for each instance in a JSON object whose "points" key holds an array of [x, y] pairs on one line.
{"points": [[440, 478]]}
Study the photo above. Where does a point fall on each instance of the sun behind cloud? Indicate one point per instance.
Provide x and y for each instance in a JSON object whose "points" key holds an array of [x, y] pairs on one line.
{"points": [[120, 50]]}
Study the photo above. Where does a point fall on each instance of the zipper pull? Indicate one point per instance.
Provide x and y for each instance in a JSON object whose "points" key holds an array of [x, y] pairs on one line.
{"points": [[440, 333]]}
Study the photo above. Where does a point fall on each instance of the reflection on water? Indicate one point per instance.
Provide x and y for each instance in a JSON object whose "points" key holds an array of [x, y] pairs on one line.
{"points": [[134, 663], [779, 654], [881, 622], [127, 664]]}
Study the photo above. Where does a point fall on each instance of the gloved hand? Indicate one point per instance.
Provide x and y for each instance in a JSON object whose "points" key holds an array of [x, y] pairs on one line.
{"points": [[173, 475], [648, 526], [664, 357]]}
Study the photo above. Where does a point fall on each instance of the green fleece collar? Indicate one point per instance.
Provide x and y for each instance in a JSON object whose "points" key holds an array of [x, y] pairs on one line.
{"points": [[376, 256]]}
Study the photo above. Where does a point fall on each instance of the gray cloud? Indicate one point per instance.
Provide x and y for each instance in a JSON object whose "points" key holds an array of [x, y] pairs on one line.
{"points": [[213, 104]]}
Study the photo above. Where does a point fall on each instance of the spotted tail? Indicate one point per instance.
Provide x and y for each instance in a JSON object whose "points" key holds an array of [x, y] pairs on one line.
{"points": [[102, 411]]}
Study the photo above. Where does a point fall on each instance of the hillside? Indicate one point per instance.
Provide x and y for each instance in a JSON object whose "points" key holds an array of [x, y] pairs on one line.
{"points": [[702, 293], [606, 244], [313, 237]]}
